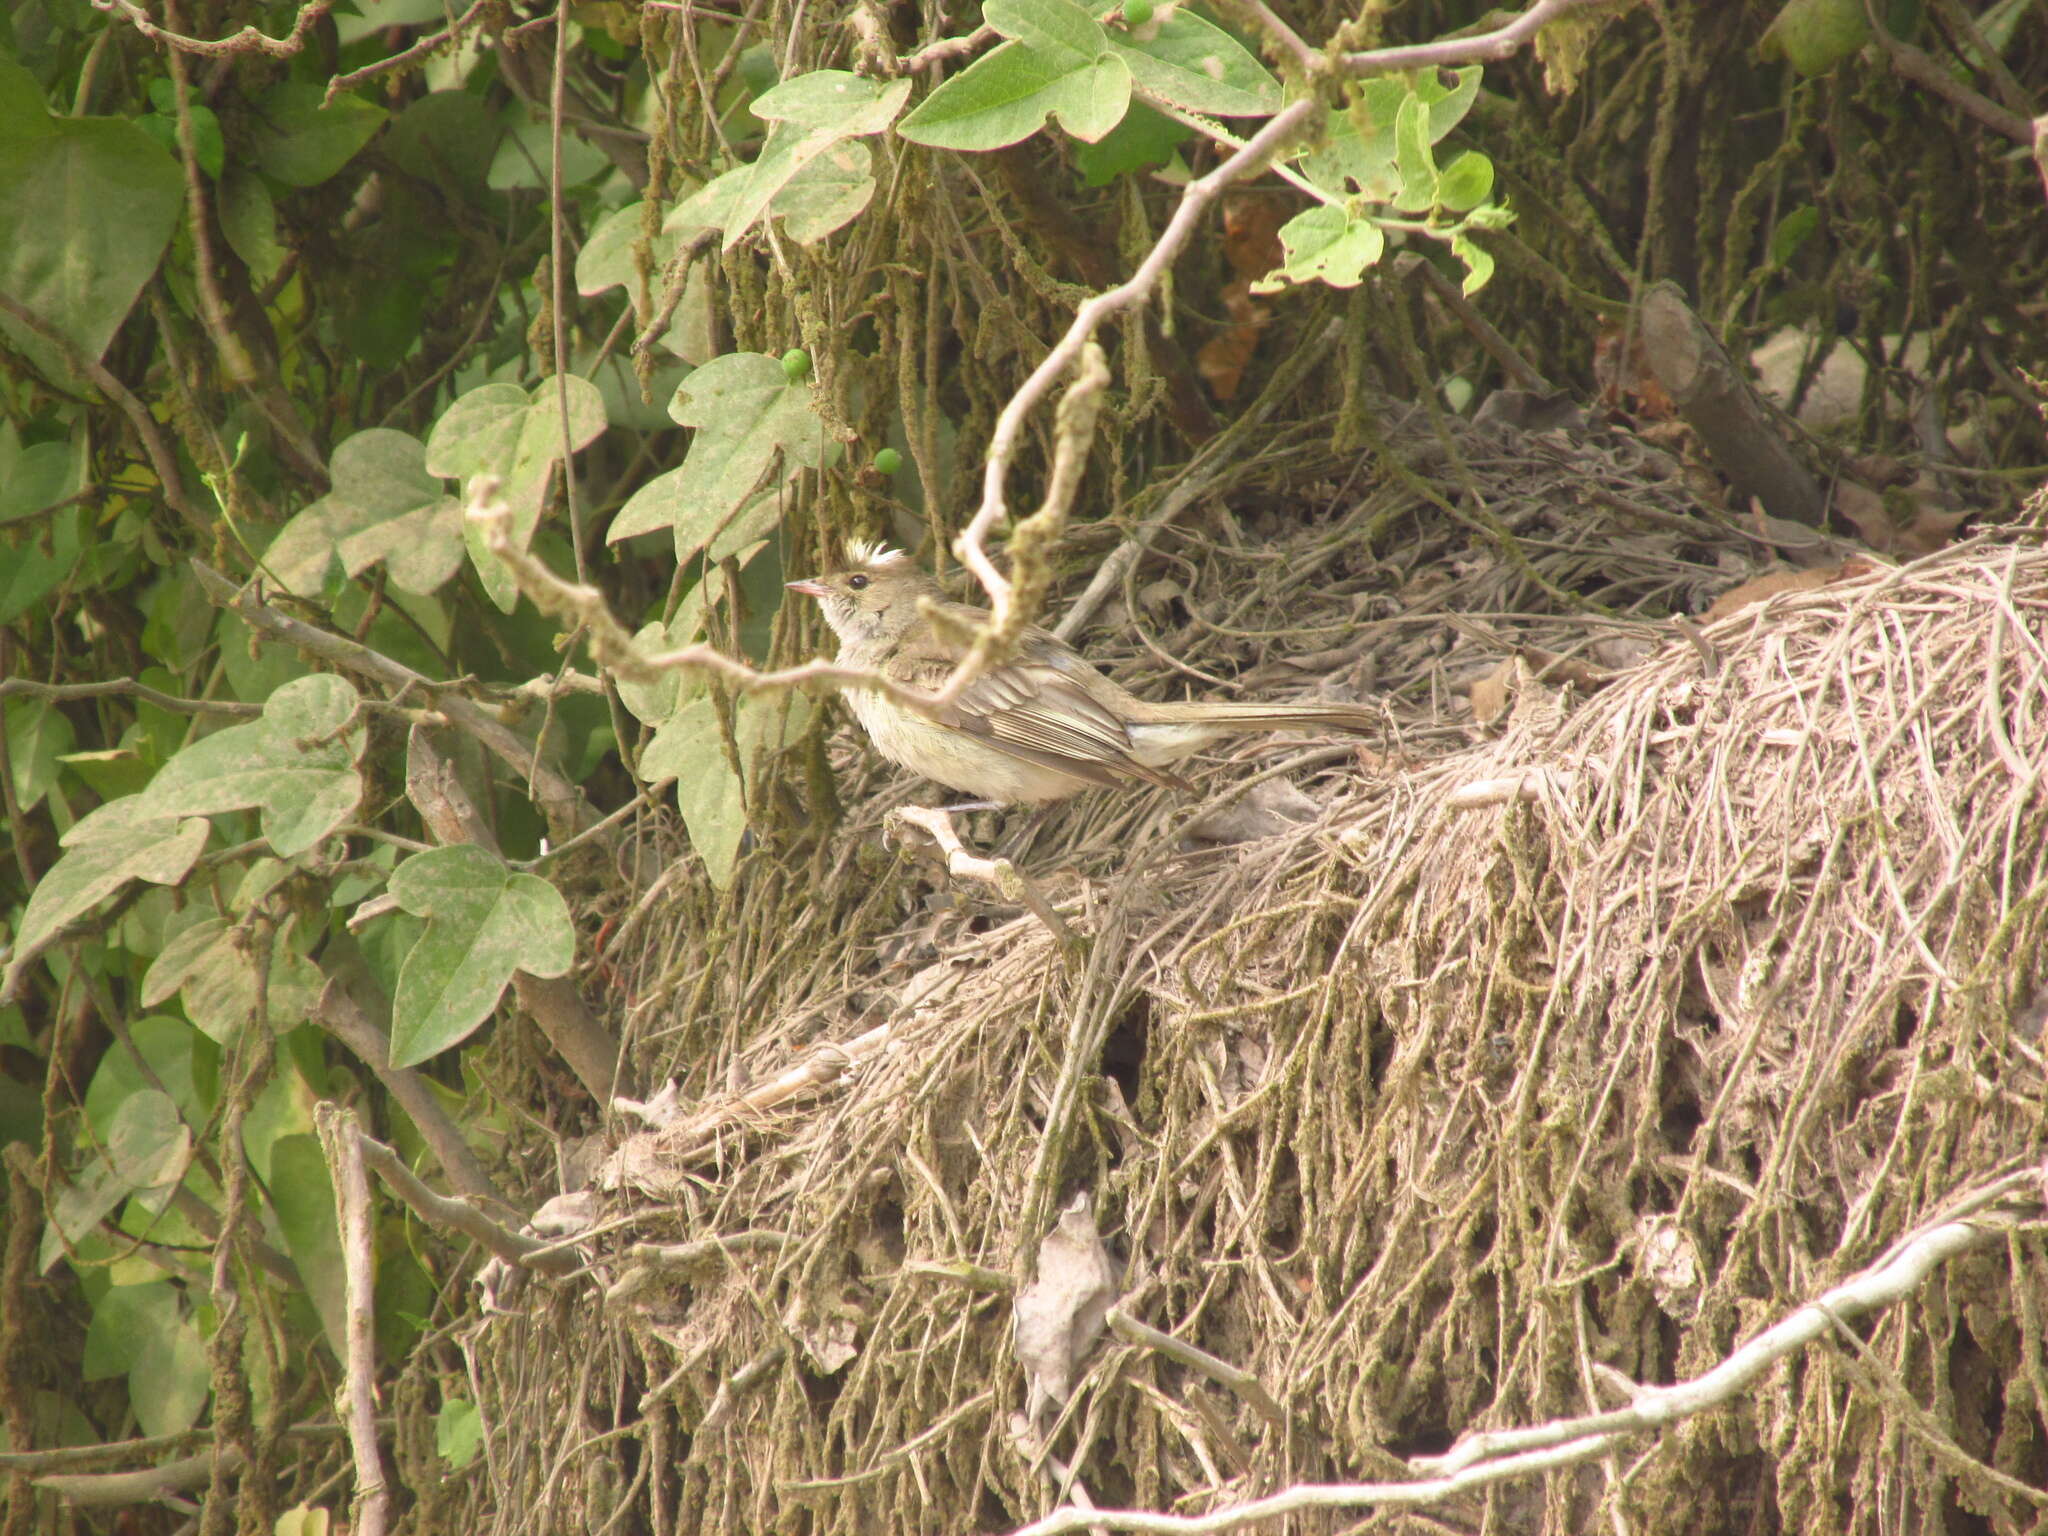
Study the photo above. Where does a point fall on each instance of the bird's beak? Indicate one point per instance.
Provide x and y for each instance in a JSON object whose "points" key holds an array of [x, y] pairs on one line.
{"points": [[810, 586]]}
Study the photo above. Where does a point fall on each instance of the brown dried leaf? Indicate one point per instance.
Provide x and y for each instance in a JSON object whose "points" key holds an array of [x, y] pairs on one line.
{"points": [[1059, 1314]]}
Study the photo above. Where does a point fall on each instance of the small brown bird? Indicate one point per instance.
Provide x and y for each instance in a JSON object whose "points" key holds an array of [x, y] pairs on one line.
{"points": [[1041, 726]]}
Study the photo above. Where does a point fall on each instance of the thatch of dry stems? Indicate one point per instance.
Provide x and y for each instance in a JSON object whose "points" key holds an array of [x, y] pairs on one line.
{"points": [[1430, 1118]]}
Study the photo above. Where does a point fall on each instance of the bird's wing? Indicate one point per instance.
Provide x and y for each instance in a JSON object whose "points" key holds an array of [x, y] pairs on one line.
{"points": [[1033, 708]]}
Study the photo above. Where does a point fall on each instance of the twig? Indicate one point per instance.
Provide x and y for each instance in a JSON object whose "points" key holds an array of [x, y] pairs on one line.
{"points": [[1897, 1272], [1918, 67], [611, 646], [399, 60], [557, 1007], [1494, 1456], [1193, 482], [1310, 61], [1005, 616], [1534, 785], [464, 1216], [342, 1139], [161, 459], [248, 40], [1224, 1374], [64, 1457], [567, 811], [945, 48], [348, 1021], [126, 687], [1000, 874], [1500, 43]]}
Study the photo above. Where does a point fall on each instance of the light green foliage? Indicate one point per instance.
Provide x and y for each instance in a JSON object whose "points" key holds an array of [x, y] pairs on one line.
{"points": [[77, 272], [516, 435], [483, 923], [384, 507], [746, 412]]}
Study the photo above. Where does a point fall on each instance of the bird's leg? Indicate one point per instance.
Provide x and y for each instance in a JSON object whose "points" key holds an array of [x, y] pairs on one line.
{"points": [[969, 805]]}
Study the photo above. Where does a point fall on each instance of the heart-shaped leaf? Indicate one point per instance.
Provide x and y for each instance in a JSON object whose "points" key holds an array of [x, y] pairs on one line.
{"points": [[297, 764], [384, 506]]}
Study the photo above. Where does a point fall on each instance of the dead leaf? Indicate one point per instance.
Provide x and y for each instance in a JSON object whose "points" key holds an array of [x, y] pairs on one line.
{"points": [[1224, 357], [1267, 809], [1735, 599], [1059, 1314], [1669, 1260], [1622, 370], [1492, 693]]}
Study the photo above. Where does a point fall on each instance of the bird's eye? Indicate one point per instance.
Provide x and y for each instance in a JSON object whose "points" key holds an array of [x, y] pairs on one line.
{"points": [[858, 583]]}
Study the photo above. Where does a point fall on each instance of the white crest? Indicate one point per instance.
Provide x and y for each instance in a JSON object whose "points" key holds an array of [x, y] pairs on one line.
{"points": [[872, 553]]}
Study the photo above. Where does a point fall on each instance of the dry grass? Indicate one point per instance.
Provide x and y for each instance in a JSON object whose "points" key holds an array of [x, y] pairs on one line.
{"points": [[1431, 1118]]}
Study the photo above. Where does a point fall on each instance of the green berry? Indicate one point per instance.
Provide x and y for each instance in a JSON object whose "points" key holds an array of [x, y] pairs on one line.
{"points": [[1137, 12], [796, 365], [888, 461]]}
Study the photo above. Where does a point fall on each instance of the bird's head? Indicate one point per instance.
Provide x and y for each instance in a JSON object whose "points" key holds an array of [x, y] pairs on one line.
{"points": [[874, 598]]}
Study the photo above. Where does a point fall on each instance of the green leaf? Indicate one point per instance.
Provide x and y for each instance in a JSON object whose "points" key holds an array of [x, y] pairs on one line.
{"points": [[146, 1146], [522, 157], [483, 923], [1466, 182], [458, 1432], [1448, 105], [811, 118], [1816, 35], [446, 138], [1324, 244], [1005, 96], [655, 702], [302, 1193], [1143, 138], [834, 101], [297, 764], [88, 205], [38, 734], [179, 1061], [1793, 231], [745, 412], [1195, 65], [689, 749], [302, 143], [1058, 31], [384, 506], [506, 431], [1478, 263], [249, 219], [211, 966], [827, 194], [120, 842], [123, 1321], [168, 1385], [1412, 158], [606, 260], [31, 567]]}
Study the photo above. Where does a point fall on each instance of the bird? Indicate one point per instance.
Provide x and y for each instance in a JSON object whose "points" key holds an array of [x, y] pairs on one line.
{"points": [[1039, 727]]}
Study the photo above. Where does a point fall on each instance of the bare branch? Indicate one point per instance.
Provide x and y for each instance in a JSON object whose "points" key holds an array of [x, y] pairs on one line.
{"points": [[1977, 1219], [342, 1139], [1000, 874], [1476, 49], [1007, 616], [248, 40], [611, 646]]}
